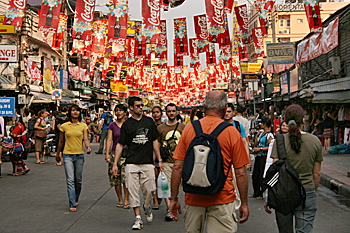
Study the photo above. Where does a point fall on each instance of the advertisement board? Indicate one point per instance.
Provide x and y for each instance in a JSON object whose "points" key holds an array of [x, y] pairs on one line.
{"points": [[293, 79], [284, 83], [246, 78], [7, 106], [280, 53], [8, 53], [63, 80]]}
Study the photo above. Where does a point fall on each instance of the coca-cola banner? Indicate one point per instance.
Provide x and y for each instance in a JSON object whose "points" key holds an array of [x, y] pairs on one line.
{"points": [[99, 37], [194, 53], [243, 21], [303, 52], [165, 5], [228, 5], [269, 5], [117, 20], [49, 15], [83, 19], [201, 29], [151, 21], [216, 21], [316, 45], [330, 36], [161, 49], [140, 46], [181, 43], [313, 15], [57, 37], [211, 56], [243, 51], [15, 13], [131, 48], [258, 38]]}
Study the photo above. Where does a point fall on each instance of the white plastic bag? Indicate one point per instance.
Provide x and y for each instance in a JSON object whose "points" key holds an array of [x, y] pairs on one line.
{"points": [[163, 186]]}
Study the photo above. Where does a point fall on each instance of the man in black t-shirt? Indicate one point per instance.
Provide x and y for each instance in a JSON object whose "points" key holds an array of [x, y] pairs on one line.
{"points": [[140, 134]]}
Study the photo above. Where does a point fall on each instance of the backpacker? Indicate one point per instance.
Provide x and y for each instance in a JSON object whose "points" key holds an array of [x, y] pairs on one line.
{"points": [[30, 127], [238, 127], [285, 191], [203, 169], [109, 118], [60, 120]]}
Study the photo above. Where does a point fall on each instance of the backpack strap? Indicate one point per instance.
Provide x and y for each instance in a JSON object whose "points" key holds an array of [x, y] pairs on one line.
{"points": [[238, 127], [197, 127], [281, 148], [220, 128]]}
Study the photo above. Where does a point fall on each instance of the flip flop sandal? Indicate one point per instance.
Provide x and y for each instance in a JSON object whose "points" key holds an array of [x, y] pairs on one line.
{"points": [[120, 205], [26, 171], [14, 174], [127, 206], [155, 207]]}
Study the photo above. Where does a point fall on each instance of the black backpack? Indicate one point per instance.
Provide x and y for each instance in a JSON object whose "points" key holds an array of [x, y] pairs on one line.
{"points": [[203, 169], [285, 191], [30, 127], [109, 118], [238, 127], [60, 120]]}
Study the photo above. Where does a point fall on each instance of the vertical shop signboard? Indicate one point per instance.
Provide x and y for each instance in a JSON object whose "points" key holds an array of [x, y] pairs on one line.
{"points": [[49, 16], [47, 75], [63, 79], [7, 106], [284, 83]]}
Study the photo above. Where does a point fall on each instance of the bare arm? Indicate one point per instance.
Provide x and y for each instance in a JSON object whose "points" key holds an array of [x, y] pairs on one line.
{"points": [[101, 125], [59, 147], [117, 154], [175, 184], [242, 185], [246, 145], [53, 124], [109, 144], [37, 123], [87, 142], [317, 174], [157, 153]]}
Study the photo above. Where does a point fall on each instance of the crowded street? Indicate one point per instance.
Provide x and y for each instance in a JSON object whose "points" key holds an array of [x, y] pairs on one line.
{"points": [[36, 202]]}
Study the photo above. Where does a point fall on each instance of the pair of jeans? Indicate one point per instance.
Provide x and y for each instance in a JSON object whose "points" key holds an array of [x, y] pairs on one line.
{"points": [[73, 166], [103, 136], [304, 217]]}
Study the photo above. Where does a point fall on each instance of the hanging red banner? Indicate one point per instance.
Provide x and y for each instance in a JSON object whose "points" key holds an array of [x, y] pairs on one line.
{"points": [[225, 38], [99, 37], [163, 48], [201, 29], [258, 38], [151, 21], [32, 69], [15, 13], [57, 37], [131, 48], [83, 19], [269, 5], [303, 52], [313, 15], [171, 77], [117, 20], [165, 5], [178, 61], [194, 52], [330, 36], [181, 43], [264, 23], [316, 45], [243, 51], [228, 5], [49, 15], [211, 56], [216, 22], [140, 48], [243, 22]]}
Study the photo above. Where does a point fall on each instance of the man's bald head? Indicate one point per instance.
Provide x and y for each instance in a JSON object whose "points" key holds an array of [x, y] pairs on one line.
{"points": [[216, 100]]}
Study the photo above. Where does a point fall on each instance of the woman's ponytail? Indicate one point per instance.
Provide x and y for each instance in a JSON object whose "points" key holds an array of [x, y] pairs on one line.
{"points": [[294, 116]]}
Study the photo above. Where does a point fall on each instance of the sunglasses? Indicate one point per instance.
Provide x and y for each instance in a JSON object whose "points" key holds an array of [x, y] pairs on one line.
{"points": [[139, 105]]}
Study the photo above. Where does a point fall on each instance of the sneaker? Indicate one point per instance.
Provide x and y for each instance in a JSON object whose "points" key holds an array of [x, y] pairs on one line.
{"points": [[138, 225], [168, 217], [148, 214]]}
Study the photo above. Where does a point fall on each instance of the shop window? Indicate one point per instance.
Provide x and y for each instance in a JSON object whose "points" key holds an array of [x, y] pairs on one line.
{"points": [[288, 21], [300, 21], [281, 22]]}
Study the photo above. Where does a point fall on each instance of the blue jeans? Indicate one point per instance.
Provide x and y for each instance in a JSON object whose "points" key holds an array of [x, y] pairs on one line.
{"points": [[73, 166], [304, 218]]}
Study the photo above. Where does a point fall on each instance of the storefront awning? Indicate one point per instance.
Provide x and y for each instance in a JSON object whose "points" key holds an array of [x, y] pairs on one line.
{"points": [[339, 97], [332, 85], [41, 98]]}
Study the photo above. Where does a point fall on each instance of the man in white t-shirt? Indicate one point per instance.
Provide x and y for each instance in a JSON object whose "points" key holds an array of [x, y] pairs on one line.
{"points": [[239, 117]]}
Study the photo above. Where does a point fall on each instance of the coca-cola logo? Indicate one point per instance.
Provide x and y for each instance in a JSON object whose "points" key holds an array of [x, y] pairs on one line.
{"points": [[132, 48], [259, 37], [195, 48], [163, 36], [87, 15], [154, 12], [51, 30], [218, 11], [120, 41], [243, 13], [202, 22], [19, 4]]}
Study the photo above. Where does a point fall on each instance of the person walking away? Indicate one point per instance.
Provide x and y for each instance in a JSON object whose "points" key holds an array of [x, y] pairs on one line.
{"points": [[169, 136], [260, 150], [40, 125], [192, 116], [328, 131], [239, 117], [218, 210], [230, 119], [120, 111], [157, 117], [73, 133], [140, 134], [304, 152], [103, 128], [93, 129]]}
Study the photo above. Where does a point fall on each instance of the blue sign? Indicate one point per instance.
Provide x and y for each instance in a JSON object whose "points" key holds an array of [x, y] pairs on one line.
{"points": [[284, 83], [56, 94], [7, 106], [63, 80]]}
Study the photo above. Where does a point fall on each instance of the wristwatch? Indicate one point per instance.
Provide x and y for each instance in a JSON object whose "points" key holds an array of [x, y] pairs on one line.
{"points": [[160, 160], [173, 198], [261, 148]]}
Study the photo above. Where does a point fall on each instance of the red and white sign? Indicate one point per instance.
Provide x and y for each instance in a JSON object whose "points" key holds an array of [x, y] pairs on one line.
{"points": [[15, 13], [201, 29], [258, 37], [83, 20], [49, 16], [181, 44], [313, 15], [216, 21], [330, 36], [117, 20], [8, 53], [151, 20]]}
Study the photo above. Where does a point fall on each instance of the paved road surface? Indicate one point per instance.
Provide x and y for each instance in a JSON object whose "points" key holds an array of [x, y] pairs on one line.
{"points": [[38, 202]]}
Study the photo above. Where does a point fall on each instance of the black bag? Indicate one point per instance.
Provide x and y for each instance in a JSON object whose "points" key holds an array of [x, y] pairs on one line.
{"points": [[30, 127], [125, 153], [60, 120], [109, 118], [285, 191], [171, 145], [203, 170]]}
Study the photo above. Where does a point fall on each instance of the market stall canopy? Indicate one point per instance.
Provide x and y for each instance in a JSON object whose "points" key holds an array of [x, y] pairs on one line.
{"points": [[40, 98], [338, 84], [6, 83], [335, 97]]}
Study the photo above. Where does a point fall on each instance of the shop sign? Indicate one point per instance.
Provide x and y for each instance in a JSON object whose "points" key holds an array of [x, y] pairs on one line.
{"points": [[276, 84], [6, 29], [7, 106], [280, 53], [8, 53], [290, 7], [294, 80], [250, 67], [106, 84], [63, 80], [284, 83], [247, 78]]}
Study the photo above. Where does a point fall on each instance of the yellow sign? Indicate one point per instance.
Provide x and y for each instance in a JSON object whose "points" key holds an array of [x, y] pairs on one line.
{"points": [[244, 67], [5, 29], [250, 67], [280, 53], [130, 31], [118, 87]]}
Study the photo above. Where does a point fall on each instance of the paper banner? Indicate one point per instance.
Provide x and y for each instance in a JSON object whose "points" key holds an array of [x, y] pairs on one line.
{"points": [[57, 37], [258, 38], [315, 45], [99, 37], [49, 15], [180, 29], [33, 70], [313, 15], [211, 56], [47, 75], [243, 51], [194, 52], [15, 13], [216, 21], [269, 5], [228, 5], [151, 21], [201, 29], [117, 20], [330, 36], [83, 19], [243, 22], [140, 48]]}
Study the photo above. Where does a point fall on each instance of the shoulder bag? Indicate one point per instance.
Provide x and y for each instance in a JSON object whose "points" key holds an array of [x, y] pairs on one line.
{"points": [[171, 145], [40, 133]]}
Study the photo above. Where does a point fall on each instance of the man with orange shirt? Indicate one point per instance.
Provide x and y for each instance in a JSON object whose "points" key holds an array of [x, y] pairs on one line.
{"points": [[218, 209]]}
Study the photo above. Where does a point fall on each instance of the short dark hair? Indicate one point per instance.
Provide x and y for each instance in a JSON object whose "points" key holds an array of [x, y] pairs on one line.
{"points": [[266, 121], [121, 107], [170, 105], [230, 105], [132, 100], [241, 109], [105, 108]]}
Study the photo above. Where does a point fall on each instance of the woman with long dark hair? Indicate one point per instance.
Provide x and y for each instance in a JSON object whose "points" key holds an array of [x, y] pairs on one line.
{"points": [[192, 116], [73, 132], [304, 152]]}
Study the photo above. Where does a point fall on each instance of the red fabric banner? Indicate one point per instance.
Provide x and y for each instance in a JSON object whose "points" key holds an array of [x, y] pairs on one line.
{"points": [[49, 15], [243, 51], [330, 35], [316, 45], [15, 13], [225, 40], [313, 15], [211, 56], [83, 19], [117, 19], [258, 38], [57, 37], [194, 52], [140, 48], [131, 48], [201, 29], [216, 21], [181, 43], [303, 52], [269, 5], [151, 21], [243, 21], [228, 5], [99, 37], [162, 49], [178, 60]]}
